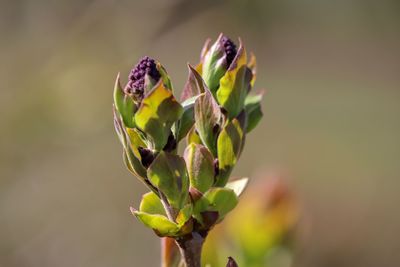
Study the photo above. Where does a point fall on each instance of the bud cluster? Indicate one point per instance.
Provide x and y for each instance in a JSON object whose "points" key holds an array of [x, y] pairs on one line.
{"points": [[190, 193], [136, 84], [230, 49]]}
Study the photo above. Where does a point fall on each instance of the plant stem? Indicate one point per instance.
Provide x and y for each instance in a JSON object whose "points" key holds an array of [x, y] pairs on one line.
{"points": [[170, 254], [191, 247], [171, 214]]}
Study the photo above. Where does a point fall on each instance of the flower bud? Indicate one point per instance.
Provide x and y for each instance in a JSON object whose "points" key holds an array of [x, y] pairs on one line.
{"points": [[231, 262], [230, 49], [189, 194], [142, 78], [217, 61]]}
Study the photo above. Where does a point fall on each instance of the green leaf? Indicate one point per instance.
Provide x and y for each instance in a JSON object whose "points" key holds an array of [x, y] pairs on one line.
{"points": [[242, 118], [168, 173], [193, 137], [184, 220], [214, 65], [124, 104], [164, 76], [193, 88], [252, 65], [200, 165], [190, 102], [235, 85], [153, 215], [238, 186], [204, 50], [207, 115], [229, 147], [135, 137], [151, 204], [134, 164], [156, 114], [194, 85], [119, 127], [186, 122], [184, 214], [131, 153], [159, 223], [254, 113], [149, 83], [222, 200]]}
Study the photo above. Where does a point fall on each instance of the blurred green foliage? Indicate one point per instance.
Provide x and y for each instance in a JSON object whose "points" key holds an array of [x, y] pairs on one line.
{"points": [[331, 119], [262, 231]]}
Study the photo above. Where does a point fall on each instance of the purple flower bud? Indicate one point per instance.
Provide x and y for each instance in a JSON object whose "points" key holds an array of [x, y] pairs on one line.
{"points": [[136, 85], [230, 49], [231, 262], [217, 60]]}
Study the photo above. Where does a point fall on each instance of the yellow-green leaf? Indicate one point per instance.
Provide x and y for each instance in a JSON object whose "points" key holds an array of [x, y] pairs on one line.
{"points": [[156, 114], [194, 85], [124, 104], [133, 163], [214, 65], [184, 214], [238, 186], [193, 137], [168, 173], [207, 116], [222, 200], [159, 223], [135, 137], [235, 84], [151, 204], [252, 65], [131, 153], [200, 165], [229, 147], [164, 76], [186, 121], [253, 111]]}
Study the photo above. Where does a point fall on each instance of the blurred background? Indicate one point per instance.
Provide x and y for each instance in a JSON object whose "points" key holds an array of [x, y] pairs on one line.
{"points": [[331, 70]]}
